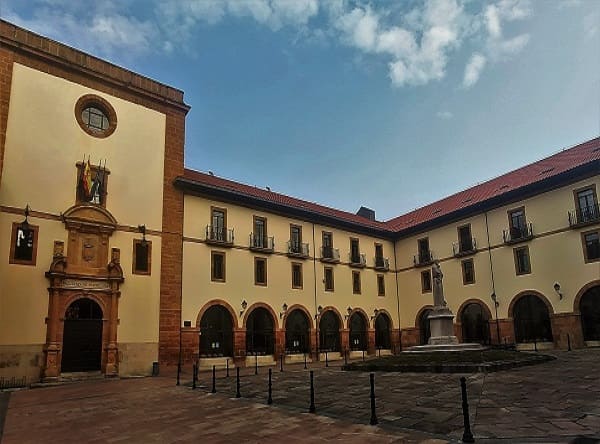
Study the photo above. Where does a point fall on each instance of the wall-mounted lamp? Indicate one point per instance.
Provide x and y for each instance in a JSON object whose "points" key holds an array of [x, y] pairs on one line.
{"points": [[557, 290], [142, 229], [25, 224], [244, 306], [375, 313], [349, 311], [319, 311], [283, 311], [495, 299]]}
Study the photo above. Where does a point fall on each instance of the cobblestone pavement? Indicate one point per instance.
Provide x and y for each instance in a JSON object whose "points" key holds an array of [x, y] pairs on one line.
{"points": [[554, 402]]}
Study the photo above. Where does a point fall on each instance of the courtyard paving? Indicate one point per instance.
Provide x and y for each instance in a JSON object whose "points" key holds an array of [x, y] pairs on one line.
{"points": [[558, 401]]}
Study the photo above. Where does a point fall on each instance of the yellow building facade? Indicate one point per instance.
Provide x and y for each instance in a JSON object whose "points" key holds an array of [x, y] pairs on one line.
{"points": [[115, 257]]}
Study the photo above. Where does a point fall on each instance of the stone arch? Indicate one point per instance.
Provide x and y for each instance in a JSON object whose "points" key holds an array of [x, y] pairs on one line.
{"points": [[336, 312], [581, 292], [475, 329], [301, 308], [90, 296], [383, 311], [473, 301], [523, 293], [212, 303], [420, 314], [362, 313], [266, 307], [330, 339], [383, 338]]}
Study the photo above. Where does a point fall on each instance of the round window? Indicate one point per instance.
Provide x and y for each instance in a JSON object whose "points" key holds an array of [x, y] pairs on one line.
{"points": [[95, 116]]}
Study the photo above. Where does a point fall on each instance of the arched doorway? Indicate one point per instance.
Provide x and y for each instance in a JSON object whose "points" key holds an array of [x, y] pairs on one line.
{"points": [[425, 331], [589, 307], [329, 332], [216, 332], [532, 320], [297, 336], [358, 332], [260, 337], [383, 328], [475, 324], [82, 337]]}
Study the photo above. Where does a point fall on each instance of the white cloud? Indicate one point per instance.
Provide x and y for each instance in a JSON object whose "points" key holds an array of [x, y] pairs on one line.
{"points": [[473, 70], [445, 115]]}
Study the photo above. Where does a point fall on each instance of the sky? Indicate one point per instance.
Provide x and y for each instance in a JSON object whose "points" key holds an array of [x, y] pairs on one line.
{"points": [[387, 104]]}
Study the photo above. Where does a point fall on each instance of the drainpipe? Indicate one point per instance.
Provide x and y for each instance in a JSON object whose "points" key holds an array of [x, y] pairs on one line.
{"points": [[315, 289], [397, 297], [494, 296]]}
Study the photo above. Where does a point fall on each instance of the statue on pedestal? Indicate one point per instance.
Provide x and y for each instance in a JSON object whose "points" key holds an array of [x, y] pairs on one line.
{"points": [[438, 286]]}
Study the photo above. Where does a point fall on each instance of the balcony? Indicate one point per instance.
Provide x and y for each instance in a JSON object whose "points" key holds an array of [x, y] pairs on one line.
{"points": [[259, 242], [518, 234], [423, 259], [382, 263], [297, 249], [465, 247], [358, 260], [330, 254], [584, 216], [219, 235]]}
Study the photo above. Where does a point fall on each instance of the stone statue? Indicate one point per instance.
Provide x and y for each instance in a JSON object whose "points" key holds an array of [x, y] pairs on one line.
{"points": [[438, 286]]}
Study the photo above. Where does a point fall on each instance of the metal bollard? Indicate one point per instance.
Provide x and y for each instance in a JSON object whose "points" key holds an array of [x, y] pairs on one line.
{"points": [[311, 408], [363, 352], [237, 393], [467, 435], [214, 388], [373, 420], [194, 375], [304, 360], [256, 364], [178, 372], [379, 351], [270, 399], [227, 368], [281, 363], [535, 344], [568, 342], [326, 361]]}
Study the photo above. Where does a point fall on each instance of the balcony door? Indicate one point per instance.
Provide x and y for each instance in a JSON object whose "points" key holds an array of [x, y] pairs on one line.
{"points": [[295, 238], [464, 238], [423, 250], [218, 225], [260, 232]]}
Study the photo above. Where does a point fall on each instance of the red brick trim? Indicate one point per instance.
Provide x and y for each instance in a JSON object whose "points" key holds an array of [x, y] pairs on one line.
{"points": [[362, 313], [525, 293], [472, 301], [6, 67], [302, 309], [222, 303], [261, 305], [581, 292], [420, 313]]}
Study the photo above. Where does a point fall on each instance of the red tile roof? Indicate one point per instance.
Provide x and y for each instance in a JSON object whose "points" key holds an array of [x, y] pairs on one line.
{"points": [[277, 198], [527, 175], [551, 166]]}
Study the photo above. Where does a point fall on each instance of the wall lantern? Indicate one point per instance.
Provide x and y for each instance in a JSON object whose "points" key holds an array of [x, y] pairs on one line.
{"points": [[244, 306], [349, 310], [375, 313], [284, 308], [495, 299], [142, 229], [319, 311], [557, 290], [25, 224]]}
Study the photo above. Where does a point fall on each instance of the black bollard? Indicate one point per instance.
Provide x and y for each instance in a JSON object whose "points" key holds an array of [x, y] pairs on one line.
{"points": [[467, 435], [326, 361], [178, 372], [256, 364], [535, 344], [345, 357], [311, 408], [568, 342], [363, 354], [194, 375], [281, 363], [373, 420], [304, 360], [237, 383], [227, 367], [214, 388], [270, 399], [379, 351]]}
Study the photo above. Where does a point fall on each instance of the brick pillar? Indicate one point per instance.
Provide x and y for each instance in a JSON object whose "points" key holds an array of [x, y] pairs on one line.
{"points": [[371, 341], [314, 344], [396, 343], [410, 337], [344, 340], [564, 324], [279, 343], [239, 346], [507, 331], [190, 344]]}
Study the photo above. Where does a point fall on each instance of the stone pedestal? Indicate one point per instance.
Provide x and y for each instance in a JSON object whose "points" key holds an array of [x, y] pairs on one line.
{"points": [[441, 325]]}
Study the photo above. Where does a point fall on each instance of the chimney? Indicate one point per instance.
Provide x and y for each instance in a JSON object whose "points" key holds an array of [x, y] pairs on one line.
{"points": [[367, 213]]}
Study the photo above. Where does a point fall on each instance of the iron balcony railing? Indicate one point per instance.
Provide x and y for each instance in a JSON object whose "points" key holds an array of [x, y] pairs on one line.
{"points": [[382, 263], [518, 233], [464, 247], [261, 242], [357, 259], [219, 235], [423, 258], [584, 215], [297, 249], [330, 254]]}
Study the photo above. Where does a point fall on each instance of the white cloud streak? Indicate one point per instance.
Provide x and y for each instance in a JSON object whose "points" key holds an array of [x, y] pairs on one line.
{"points": [[473, 70]]}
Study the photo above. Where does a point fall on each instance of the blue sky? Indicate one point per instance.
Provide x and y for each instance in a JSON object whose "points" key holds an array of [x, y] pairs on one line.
{"points": [[390, 105]]}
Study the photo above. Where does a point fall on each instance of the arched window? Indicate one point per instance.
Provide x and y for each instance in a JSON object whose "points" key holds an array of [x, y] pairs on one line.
{"points": [[260, 332], [589, 307], [424, 329], [297, 329], [358, 332], [532, 320], [82, 337], [216, 332], [475, 324], [383, 332], [329, 332]]}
